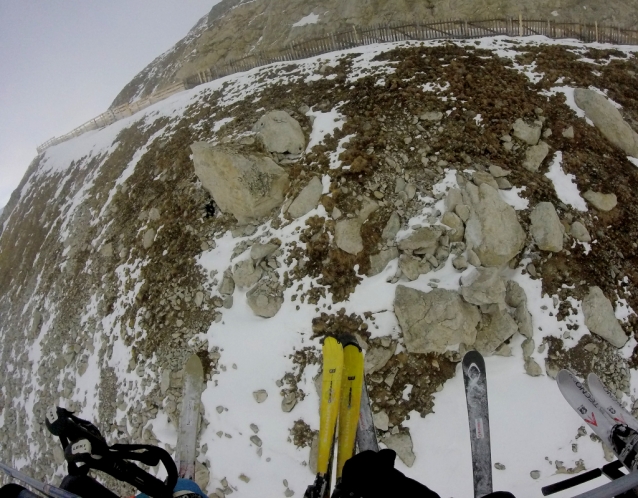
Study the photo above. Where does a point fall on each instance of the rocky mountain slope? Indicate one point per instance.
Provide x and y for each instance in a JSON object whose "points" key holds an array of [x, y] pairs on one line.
{"points": [[235, 28], [428, 198]]}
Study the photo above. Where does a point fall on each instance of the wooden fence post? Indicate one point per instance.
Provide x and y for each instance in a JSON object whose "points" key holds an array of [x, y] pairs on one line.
{"points": [[520, 24]]}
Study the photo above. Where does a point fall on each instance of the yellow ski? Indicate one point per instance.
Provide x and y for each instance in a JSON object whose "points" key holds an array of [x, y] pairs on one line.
{"points": [[329, 411], [351, 388]]}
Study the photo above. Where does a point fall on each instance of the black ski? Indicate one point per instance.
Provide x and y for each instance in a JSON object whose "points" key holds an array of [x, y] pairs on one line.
{"points": [[474, 376], [45, 489]]}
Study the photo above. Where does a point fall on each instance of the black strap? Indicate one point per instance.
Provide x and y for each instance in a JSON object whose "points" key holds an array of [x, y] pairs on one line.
{"points": [[83, 444]]}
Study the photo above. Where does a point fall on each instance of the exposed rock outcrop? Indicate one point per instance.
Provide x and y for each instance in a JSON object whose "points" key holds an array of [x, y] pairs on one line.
{"points": [[600, 318], [307, 199], [493, 230], [608, 120], [280, 133], [434, 321], [546, 228], [248, 187]]}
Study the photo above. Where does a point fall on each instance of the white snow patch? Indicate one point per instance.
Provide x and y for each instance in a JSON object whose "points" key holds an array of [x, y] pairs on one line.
{"points": [[564, 184], [325, 123], [633, 160], [514, 199], [304, 21]]}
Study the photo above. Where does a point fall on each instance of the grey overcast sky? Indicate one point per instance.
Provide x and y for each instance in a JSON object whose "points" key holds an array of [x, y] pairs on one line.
{"points": [[62, 62]]}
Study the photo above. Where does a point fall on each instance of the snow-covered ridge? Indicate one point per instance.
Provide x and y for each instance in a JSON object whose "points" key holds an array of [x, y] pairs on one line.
{"points": [[111, 192]]}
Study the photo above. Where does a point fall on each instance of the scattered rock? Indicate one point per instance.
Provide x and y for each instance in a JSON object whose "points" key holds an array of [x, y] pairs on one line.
{"points": [[307, 200], [259, 252], [534, 157], [348, 236], [579, 232], [479, 177], [265, 299], [600, 318], [608, 120], [546, 228], [495, 329], [409, 266], [247, 186], [497, 171], [493, 229], [246, 274], [202, 475], [381, 420], [463, 212], [532, 368], [569, 133], [514, 294], [528, 134], [376, 358], [432, 117], [503, 184], [483, 286], [499, 466], [460, 263], [456, 224], [149, 238], [280, 133], [453, 198], [378, 262], [260, 396], [523, 319], [402, 444], [256, 440], [433, 321], [535, 474], [602, 202], [421, 241], [392, 227], [288, 402], [368, 206]]}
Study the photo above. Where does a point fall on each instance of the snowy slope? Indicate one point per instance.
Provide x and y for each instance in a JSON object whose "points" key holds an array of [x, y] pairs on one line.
{"points": [[532, 428]]}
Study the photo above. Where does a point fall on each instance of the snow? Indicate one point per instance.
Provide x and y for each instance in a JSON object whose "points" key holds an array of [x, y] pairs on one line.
{"points": [[532, 427], [304, 21], [564, 184], [633, 160]]}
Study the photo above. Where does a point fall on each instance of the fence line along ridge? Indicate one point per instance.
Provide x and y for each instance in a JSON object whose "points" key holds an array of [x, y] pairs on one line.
{"points": [[356, 37]]}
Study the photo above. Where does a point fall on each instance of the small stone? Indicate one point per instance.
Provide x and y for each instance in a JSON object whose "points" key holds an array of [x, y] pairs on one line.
{"points": [[256, 440], [289, 402], [149, 238], [460, 263], [480, 177], [535, 474], [579, 232], [499, 466], [288, 493], [532, 368], [254, 428], [220, 409], [336, 213], [381, 420], [602, 202], [503, 184], [260, 396], [497, 171], [244, 477], [569, 133], [531, 269]]}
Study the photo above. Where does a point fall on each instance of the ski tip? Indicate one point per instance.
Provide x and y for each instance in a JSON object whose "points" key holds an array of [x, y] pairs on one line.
{"points": [[194, 366], [349, 340], [473, 357]]}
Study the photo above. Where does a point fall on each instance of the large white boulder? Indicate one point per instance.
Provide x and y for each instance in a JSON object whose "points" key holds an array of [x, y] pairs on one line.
{"points": [[608, 120], [493, 230], [247, 186], [281, 133]]}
